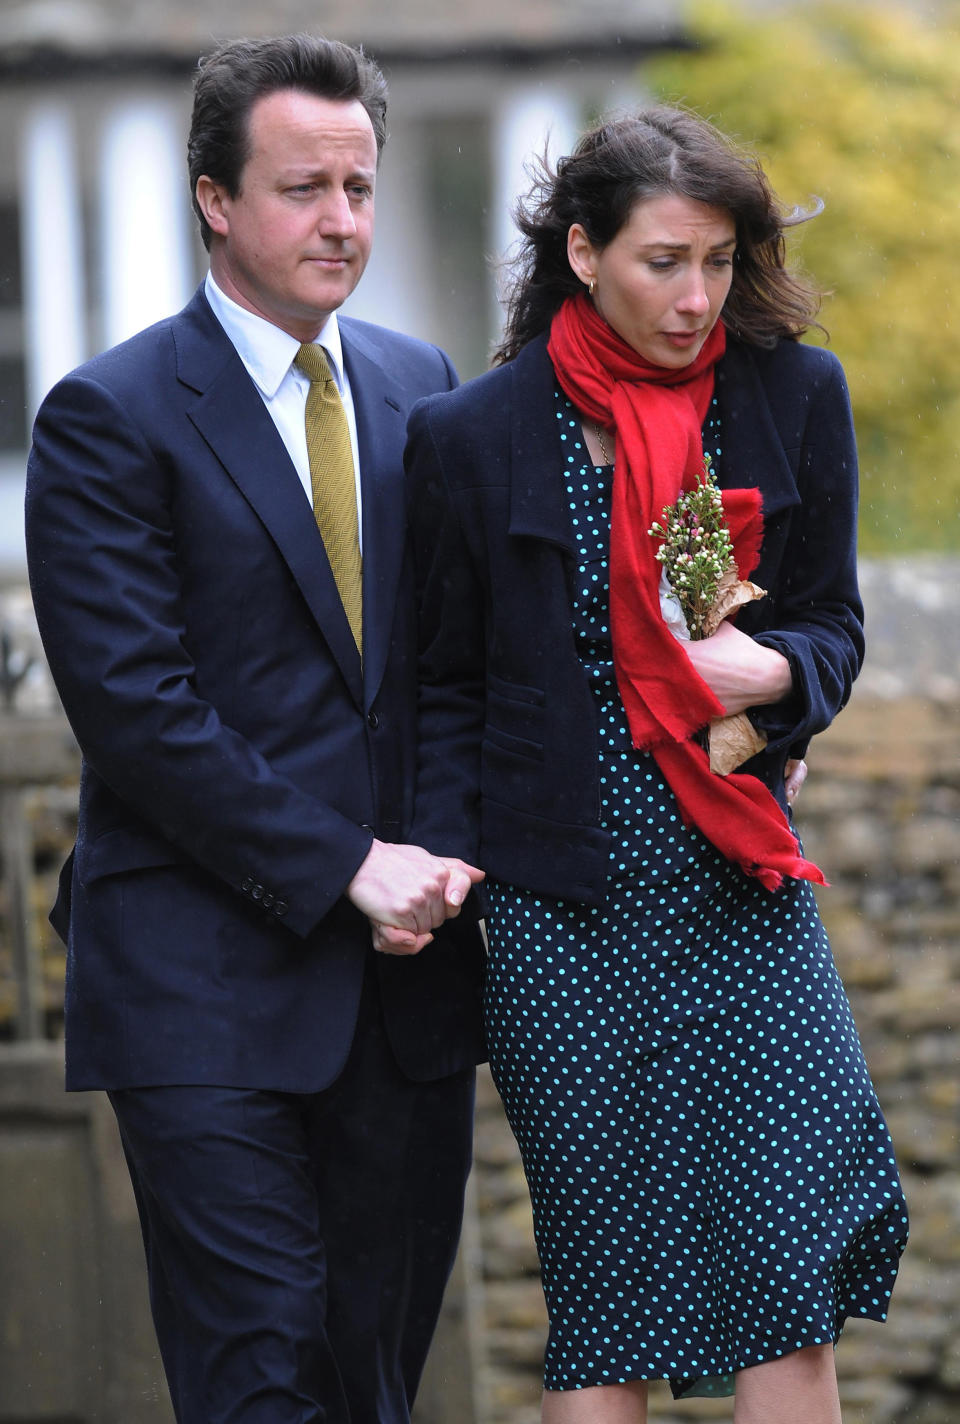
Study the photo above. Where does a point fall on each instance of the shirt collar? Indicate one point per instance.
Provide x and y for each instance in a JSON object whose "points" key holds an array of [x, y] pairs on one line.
{"points": [[265, 350]]}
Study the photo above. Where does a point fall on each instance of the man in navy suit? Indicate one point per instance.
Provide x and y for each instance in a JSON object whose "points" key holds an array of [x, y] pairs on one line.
{"points": [[293, 1080]]}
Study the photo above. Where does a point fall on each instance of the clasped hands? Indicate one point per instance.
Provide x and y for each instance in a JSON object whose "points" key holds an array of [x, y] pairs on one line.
{"points": [[406, 893]]}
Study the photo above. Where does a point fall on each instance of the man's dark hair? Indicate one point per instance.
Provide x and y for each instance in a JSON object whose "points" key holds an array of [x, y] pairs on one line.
{"points": [[233, 77]]}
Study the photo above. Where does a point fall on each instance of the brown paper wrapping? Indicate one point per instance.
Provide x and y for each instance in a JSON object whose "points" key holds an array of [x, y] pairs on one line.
{"points": [[732, 593], [732, 740]]}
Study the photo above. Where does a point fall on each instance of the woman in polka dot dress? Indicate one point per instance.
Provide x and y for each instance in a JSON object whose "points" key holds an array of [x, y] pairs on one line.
{"points": [[713, 1185]]}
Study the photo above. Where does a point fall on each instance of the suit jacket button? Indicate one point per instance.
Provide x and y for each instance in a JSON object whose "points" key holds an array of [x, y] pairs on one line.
{"points": [[257, 892], [267, 900], [246, 884], [373, 721], [280, 907]]}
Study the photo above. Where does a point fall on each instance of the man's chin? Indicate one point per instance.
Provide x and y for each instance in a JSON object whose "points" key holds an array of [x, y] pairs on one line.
{"points": [[328, 295]]}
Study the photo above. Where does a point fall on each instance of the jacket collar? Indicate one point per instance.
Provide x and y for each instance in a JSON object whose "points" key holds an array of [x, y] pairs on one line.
{"points": [[230, 416], [753, 451], [538, 500]]}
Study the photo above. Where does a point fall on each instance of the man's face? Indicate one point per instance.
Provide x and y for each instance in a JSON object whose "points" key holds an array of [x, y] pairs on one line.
{"points": [[293, 243]]}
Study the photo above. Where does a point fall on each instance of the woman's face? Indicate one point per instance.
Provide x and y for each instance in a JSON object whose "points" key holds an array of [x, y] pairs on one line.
{"points": [[662, 281]]}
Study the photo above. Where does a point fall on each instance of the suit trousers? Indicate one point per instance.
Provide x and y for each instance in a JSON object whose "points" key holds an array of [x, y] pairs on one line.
{"points": [[298, 1245]]}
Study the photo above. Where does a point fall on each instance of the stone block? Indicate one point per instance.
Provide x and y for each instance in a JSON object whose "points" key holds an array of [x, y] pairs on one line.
{"points": [[873, 1401], [508, 1245], [512, 1390], [930, 918], [516, 1305], [76, 1340], [925, 843], [864, 957], [930, 1265], [935, 1407], [950, 1365], [942, 1094], [499, 1189], [857, 842], [922, 1138], [934, 961], [931, 1051], [517, 1348], [886, 1053], [493, 1143], [908, 1346], [487, 1095], [914, 1008], [36, 750]]}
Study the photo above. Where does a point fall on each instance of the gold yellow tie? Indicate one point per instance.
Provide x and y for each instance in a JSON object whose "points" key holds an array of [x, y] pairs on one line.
{"points": [[333, 482]]}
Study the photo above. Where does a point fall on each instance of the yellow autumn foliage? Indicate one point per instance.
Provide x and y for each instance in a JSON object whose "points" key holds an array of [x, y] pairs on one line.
{"points": [[859, 104]]}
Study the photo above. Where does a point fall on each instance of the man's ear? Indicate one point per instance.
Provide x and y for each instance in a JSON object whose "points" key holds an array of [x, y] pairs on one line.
{"points": [[212, 201]]}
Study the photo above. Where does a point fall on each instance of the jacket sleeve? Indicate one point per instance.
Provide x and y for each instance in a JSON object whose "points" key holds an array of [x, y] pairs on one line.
{"points": [[108, 593], [451, 647], [814, 615]]}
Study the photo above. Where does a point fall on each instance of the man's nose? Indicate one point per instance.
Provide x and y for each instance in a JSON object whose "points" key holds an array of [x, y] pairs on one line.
{"points": [[337, 218]]}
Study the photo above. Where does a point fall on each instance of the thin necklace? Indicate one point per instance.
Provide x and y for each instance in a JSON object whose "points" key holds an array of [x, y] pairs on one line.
{"points": [[603, 445]]}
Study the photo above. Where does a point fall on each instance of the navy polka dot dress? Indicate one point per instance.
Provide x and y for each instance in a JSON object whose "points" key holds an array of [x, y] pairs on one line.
{"points": [[713, 1184]]}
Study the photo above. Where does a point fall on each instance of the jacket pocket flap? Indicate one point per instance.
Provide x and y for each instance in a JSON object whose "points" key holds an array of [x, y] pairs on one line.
{"points": [[124, 848], [514, 691]]}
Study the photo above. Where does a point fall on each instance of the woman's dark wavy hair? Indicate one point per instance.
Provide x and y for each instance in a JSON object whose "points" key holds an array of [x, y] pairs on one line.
{"points": [[656, 151], [232, 78]]}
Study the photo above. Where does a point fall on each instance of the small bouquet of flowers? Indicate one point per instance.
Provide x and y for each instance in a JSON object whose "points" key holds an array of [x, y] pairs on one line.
{"points": [[699, 588]]}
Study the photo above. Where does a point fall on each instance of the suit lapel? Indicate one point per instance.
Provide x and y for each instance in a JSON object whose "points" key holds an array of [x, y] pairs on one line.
{"points": [[231, 417], [381, 428]]}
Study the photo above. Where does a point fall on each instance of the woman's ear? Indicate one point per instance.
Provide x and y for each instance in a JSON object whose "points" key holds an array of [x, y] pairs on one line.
{"points": [[581, 255]]}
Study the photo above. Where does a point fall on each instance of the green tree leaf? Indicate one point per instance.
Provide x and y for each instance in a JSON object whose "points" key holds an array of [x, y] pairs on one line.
{"points": [[860, 105]]}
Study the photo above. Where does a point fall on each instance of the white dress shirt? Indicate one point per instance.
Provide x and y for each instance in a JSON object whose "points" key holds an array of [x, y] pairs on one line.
{"points": [[268, 354]]}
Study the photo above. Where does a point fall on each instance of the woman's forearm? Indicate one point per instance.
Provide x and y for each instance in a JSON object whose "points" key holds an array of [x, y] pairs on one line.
{"points": [[741, 673]]}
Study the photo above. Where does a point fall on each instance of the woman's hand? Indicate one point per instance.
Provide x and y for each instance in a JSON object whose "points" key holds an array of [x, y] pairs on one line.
{"points": [[739, 672]]}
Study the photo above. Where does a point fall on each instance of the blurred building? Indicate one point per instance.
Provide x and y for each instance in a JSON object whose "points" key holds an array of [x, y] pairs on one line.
{"points": [[96, 235]]}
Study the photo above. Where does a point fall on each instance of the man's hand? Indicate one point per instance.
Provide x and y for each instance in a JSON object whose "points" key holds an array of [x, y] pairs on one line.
{"points": [[406, 893]]}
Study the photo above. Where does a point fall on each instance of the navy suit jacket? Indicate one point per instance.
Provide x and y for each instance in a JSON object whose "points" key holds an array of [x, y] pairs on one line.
{"points": [[508, 772], [238, 760]]}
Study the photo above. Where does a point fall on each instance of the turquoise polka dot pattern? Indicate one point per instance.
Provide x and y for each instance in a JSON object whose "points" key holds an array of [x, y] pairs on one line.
{"points": [[713, 1184]]}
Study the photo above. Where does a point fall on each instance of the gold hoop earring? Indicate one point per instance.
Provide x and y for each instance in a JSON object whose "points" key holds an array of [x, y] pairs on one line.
{"points": [[593, 286]]}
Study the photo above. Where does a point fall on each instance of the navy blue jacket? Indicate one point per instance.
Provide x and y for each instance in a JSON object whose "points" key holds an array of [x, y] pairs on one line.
{"points": [[237, 758], [509, 775]]}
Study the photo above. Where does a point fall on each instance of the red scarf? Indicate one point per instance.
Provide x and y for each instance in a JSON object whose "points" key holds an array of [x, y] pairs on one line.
{"points": [[658, 414]]}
